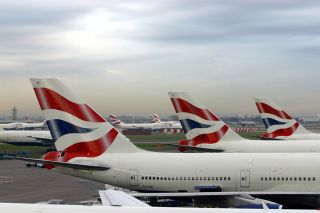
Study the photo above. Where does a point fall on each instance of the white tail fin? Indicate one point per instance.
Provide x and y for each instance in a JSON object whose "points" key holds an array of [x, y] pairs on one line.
{"points": [[199, 124], [77, 129], [115, 120], [277, 122], [155, 118]]}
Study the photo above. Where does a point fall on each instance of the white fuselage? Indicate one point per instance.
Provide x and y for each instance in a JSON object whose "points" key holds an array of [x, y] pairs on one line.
{"points": [[170, 124], [265, 146], [153, 126], [24, 137], [174, 172], [51, 208], [21, 125], [309, 136]]}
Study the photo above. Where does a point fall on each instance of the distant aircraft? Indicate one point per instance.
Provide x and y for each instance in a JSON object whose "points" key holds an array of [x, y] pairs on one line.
{"points": [[121, 125], [156, 124], [26, 137], [205, 131], [91, 148], [155, 118], [165, 124], [279, 124], [22, 125], [247, 123]]}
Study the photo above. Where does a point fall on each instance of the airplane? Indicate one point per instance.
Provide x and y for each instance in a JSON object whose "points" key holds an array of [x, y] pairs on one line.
{"points": [[121, 125], [165, 124], [279, 124], [118, 201], [89, 147], [26, 137], [247, 123], [49, 208], [22, 125], [156, 124], [155, 118], [206, 132]]}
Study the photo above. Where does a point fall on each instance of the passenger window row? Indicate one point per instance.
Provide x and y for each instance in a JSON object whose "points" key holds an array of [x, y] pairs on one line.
{"points": [[288, 179], [186, 178]]}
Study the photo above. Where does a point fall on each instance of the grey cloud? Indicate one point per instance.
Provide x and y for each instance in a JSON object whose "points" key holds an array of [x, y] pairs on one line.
{"points": [[228, 46]]}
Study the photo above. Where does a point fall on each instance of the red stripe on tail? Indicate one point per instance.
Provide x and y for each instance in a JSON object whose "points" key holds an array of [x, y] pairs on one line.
{"points": [[282, 132], [184, 106], [265, 108], [210, 138], [49, 99], [88, 149]]}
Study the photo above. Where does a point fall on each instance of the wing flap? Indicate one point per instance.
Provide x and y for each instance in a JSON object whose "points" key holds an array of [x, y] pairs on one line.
{"points": [[199, 149], [111, 197]]}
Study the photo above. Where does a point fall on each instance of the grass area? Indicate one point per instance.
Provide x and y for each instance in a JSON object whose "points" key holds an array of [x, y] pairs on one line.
{"points": [[181, 136], [33, 151], [154, 139], [157, 137], [252, 135], [151, 146]]}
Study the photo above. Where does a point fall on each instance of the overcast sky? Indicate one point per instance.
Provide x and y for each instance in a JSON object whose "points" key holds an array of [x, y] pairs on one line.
{"points": [[123, 56]]}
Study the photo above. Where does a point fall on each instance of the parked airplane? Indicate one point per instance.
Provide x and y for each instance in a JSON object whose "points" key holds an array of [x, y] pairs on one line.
{"points": [[156, 124], [165, 124], [46, 208], [117, 201], [155, 118], [22, 125], [205, 131], [89, 147], [279, 124], [26, 137], [121, 125], [247, 123]]}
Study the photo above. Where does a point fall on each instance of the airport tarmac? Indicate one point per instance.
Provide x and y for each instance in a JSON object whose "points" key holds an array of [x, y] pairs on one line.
{"points": [[30, 185]]}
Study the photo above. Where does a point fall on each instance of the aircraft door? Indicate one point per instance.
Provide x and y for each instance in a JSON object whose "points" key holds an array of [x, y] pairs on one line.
{"points": [[245, 178], [133, 177]]}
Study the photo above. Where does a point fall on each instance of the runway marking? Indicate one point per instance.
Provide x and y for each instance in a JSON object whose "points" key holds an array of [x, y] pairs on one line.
{"points": [[5, 179]]}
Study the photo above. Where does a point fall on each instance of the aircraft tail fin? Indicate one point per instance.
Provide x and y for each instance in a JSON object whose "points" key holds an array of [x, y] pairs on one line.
{"points": [[115, 120], [155, 118], [78, 130], [277, 122], [200, 125]]}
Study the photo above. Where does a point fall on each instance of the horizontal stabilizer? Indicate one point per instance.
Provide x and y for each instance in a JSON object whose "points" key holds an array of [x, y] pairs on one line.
{"points": [[63, 164], [199, 149], [45, 140]]}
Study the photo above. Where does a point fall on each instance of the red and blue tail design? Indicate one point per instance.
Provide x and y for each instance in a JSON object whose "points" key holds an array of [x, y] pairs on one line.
{"points": [[77, 129], [279, 124], [199, 124]]}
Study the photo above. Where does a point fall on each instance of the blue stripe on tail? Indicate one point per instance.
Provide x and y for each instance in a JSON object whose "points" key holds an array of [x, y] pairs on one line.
{"points": [[59, 128], [188, 124], [270, 122]]}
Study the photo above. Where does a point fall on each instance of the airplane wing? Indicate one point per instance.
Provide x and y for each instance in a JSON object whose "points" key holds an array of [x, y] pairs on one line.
{"points": [[222, 199], [200, 194], [63, 164], [46, 141], [111, 197], [185, 148]]}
